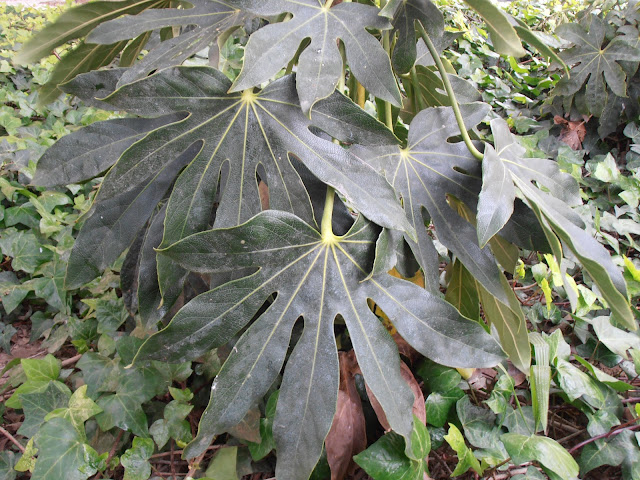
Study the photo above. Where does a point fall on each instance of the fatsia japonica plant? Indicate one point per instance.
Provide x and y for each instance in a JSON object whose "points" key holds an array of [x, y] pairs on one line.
{"points": [[344, 149]]}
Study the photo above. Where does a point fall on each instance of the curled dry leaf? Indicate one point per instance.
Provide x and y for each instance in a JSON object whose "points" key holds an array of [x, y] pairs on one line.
{"points": [[573, 132], [418, 404], [348, 435]]}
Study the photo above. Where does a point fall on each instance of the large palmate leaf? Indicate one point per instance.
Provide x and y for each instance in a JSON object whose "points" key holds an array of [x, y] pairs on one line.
{"points": [[226, 138], [211, 18], [320, 63], [424, 174], [553, 207], [76, 23], [596, 61], [316, 278]]}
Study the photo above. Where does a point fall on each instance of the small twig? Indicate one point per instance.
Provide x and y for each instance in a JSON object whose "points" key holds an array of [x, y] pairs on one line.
{"points": [[112, 452], [12, 439], [179, 452], [194, 466], [442, 462], [71, 361], [604, 435], [631, 400]]}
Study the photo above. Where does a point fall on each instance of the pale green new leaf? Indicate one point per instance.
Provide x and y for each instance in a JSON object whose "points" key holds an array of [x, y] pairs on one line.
{"points": [[504, 37], [466, 459], [316, 280], [320, 63], [79, 410], [541, 449], [226, 138]]}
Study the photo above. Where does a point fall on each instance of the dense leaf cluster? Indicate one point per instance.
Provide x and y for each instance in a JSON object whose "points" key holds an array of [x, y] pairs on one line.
{"points": [[268, 224]]}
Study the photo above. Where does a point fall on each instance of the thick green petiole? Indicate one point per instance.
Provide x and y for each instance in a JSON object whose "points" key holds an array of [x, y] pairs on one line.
{"points": [[447, 85]]}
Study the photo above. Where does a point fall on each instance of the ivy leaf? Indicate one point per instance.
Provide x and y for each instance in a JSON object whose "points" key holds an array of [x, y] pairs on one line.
{"points": [[234, 133], [124, 408], [308, 275], [606, 451], [320, 63], [76, 23], [7, 462], [591, 59], [63, 455], [554, 210], [466, 460], [11, 291], [385, 460], [541, 449], [211, 18], [438, 405], [136, 459], [425, 174], [37, 405], [80, 409], [88, 152], [41, 369]]}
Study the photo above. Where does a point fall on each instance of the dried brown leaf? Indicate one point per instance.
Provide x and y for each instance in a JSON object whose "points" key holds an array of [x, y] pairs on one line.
{"points": [[348, 435], [573, 132], [418, 404]]}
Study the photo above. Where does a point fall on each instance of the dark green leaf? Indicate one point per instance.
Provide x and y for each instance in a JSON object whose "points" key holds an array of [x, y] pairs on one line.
{"points": [[11, 291], [36, 406], [221, 128], [554, 207], [62, 453], [320, 64], [83, 58], [136, 459], [7, 462], [462, 292], [211, 18], [296, 264], [495, 202], [385, 460], [79, 410], [589, 58], [428, 171], [87, 153], [408, 12], [438, 405], [479, 424], [545, 450]]}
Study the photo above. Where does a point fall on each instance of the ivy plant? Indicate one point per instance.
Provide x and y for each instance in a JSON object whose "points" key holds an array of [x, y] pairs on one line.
{"points": [[295, 192]]}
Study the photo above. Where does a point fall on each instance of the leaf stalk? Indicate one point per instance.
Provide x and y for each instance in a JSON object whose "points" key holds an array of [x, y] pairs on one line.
{"points": [[447, 86], [326, 229]]}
